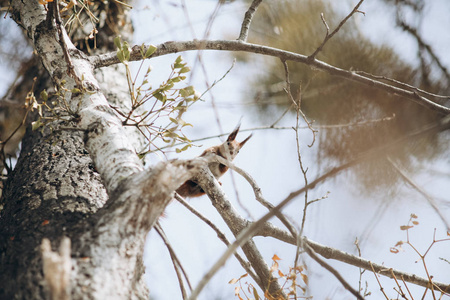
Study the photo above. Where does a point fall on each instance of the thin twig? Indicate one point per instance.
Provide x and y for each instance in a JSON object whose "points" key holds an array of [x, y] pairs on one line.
{"points": [[430, 199], [378, 280], [246, 265], [268, 127], [175, 261], [328, 36], [257, 191], [298, 105], [400, 290], [248, 19], [62, 42], [422, 44], [333, 271], [406, 286], [402, 84]]}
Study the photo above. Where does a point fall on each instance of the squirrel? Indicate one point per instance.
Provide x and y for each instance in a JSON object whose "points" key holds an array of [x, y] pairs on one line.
{"points": [[228, 150]]}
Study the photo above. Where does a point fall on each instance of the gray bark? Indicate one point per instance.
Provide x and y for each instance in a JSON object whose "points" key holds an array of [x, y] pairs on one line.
{"points": [[64, 178]]}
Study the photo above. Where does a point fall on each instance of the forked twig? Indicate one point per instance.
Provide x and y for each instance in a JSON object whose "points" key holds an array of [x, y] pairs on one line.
{"points": [[329, 35], [220, 235], [430, 199], [333, 271]]}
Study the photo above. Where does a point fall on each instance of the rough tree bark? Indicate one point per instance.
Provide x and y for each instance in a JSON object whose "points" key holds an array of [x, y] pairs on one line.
{"points": [[64, 178]]}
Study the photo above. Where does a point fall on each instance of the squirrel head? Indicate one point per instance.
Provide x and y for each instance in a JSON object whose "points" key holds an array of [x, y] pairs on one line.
{"points": [[230, 148]]}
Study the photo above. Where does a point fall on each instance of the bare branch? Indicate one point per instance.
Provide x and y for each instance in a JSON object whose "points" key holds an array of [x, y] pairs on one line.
{"points": [[269, 230], [224, 45], [297, 104], [333, 271], [246, 265], [422, 44], [379, 283], [238, 226], [351, 124], [248, 19], [404, 85], [257, 191], [430, 200], [329, 36], [175, 261]]}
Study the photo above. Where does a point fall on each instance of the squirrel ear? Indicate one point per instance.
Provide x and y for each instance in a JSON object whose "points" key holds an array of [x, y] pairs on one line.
{"points": [[234, 133], [244, 141]]}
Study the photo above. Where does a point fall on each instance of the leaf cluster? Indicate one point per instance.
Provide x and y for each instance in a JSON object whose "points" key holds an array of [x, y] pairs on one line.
{"points": [[290, 285], [153, 106]]}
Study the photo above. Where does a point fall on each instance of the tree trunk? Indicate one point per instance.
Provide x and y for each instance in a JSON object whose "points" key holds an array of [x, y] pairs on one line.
{"points": [[56, 191]]}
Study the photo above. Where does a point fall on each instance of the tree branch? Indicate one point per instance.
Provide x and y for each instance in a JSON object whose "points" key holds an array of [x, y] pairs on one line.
{"points": [[269, 230], [333, 271], [245, 264], [175, 261], [237, 225], [328, 36], [248, 19], [210, 185], [224, 45], [430, 200]]}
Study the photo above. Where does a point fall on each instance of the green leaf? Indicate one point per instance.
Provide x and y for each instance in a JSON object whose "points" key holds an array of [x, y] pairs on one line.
{"points": [[179, 59], [184, 70], [182, 149], [141, 50], [44, 95], [187, 91], [117, 42], [150, 50], [160, 96], [120, 56], [170, 134], [36, 124], [168, 86], [126, 51]]}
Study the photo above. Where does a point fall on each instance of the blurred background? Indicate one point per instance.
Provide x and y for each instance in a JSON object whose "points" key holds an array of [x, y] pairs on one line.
{"points": [[404, 40]]}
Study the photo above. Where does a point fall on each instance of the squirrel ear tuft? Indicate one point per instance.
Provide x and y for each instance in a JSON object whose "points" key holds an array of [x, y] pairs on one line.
{"points": [[234, 133], [244, 141]]}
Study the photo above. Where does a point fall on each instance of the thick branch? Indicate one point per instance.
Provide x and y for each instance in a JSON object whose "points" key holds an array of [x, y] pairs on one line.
{"points": [[269, 230], [107, 142], [236, 224], [117, 232], [223, 45]]}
